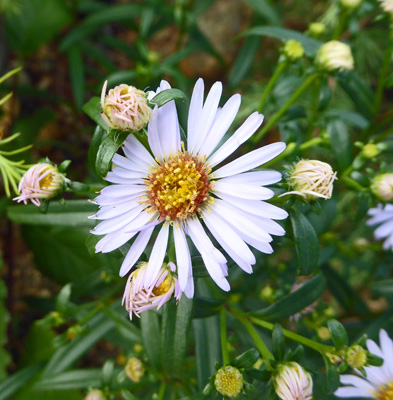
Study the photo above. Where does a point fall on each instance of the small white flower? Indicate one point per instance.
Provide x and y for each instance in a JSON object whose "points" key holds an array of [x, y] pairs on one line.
{"points": [[134, 369], [312, 179], [125, 107], [382, 187], [183, 189], [335, 55], [379, 382], [293, 382], [350, 4], [41, 181], [387, 6], [95, 394], [138, 298], [383, 216]]}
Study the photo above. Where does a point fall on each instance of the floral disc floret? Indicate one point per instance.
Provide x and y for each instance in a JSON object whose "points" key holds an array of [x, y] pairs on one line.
{"points": [[178, 186], [229, 381]]}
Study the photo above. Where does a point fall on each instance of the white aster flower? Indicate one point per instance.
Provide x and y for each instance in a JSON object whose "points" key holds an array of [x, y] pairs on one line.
{"points": [[312, 179], [379, 382], [383, 216], [387, 6], [138, 298], [335, 55], [178, 185], [382, 187], [293, 382], [125, 107], [41, 181]]}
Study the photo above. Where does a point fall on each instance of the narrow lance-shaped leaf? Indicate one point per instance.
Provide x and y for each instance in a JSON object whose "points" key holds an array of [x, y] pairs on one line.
{"points": [[93, 109], [167, 95]]}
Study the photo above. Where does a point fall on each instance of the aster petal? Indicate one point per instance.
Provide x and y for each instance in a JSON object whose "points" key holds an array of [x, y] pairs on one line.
{"points": [[246, 130], [113, 241], [387, 349], [195, 227], [380, 217], [351, 392], [138, 150], [251, 160], [127, 163], [116, 191], [230, 241], [153, 135], [384, 230], [108, 201], [194, 113], [206, 117], [259, 208], [127, 173], [243, 191], [260, 178], [157, 256], [357, 382], [115, 210], [223, 120], [168, 125], [136, 250], [183, 257], [113, 178]]}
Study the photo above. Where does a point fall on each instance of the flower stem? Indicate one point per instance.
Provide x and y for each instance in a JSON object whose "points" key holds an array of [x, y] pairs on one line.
{"points": [[382, 74], [280, 68], [322, 348], [259, 343], [223, 337], [285, 107], [161, 393]]}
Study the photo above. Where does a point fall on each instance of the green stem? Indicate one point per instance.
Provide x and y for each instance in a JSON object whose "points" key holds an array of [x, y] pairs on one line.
{"points": [[161, 393], [311, 143], [322, 348], [382, 74], [285, 107], [280, 68], [340, 26], [259, 343], [223, 336], [352, 183]]}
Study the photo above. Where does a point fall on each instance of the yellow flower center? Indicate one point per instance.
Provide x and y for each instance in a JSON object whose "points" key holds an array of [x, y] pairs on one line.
{"points": [[229, 381], [47, 180], [178, 186], [385, 392], [165, 286]]}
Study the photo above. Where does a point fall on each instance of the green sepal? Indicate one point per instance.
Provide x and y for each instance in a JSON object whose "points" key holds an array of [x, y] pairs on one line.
{"points": [[165, 96]]}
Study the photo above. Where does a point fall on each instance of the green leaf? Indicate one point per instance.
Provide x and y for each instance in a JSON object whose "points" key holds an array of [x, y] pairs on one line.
{"points": [[339, 334], [98, 137], [310, 45], [332, 376], [263, 8], [4, 320], [340, 143], [124, 326], [93, 109], [306, 242], [109, 14], [278, 342], [74, 213], [293, 302], [246, 359], [107, 150], [176, 322], [167, 95], [150, 327], [352, 117], [244, 61], [206, 307], [36, 23], [98, 327], [63, 298], [77, 74], [18, 381], [76, 379], [207, 347]]}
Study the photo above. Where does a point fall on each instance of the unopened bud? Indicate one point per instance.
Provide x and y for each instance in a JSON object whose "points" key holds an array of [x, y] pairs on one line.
{"points": [[335, 55], [134, 369], [370, 150], [324, 333], [293, 382], [317, 29], [356, 356], [95, 394], [382, 187], [229, 381], [387, 6], [293, 50], [350, 4]]}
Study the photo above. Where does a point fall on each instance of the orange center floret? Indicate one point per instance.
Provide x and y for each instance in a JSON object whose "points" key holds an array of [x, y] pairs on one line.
{"points": [[386, 392], [178, 186]]}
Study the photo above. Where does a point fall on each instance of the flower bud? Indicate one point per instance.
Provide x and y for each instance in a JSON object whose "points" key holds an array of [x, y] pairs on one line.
{"points": [[370, 150], [293, 382], [41, 181], [95, 394], [316, 29], [356, 356], [293, 50], [335, 55], [350, 4], [311, 179], [138, 298], [134, 369], [324, 333], [387, 6], [382, 187], [229, 381], [125, 108]]}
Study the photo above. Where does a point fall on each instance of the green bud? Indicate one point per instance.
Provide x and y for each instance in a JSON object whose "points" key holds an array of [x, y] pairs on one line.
{"points": [[356, 356], [293, 50], [229, 381]]}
